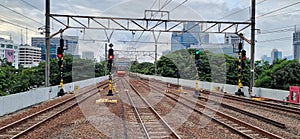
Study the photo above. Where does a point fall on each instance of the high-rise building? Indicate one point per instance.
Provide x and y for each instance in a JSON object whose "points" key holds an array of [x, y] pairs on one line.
{"points": [[296, 43], [10, 51], [266, 58], [54, 43], [73, 46], [275, 54], [29, 56], [190, 36], [176, 42], [40, 42]]}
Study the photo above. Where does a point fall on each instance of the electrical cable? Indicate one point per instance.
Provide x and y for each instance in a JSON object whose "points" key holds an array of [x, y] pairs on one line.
{"points": [[241, 10], [33, 6], [293, 4], [272, 40], [20, 14], [16, 25]]}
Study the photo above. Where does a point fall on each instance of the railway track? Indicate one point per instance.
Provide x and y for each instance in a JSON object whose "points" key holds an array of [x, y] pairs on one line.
{"points": [[268, 105], [152, 124], [27, 124], [242, 128]]}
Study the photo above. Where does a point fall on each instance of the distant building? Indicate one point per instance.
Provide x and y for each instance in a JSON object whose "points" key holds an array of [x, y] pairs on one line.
{"points": [[266, 58], [29, 56], [10, 51], [73, 46], [176, 42], [54, 43], [275, 54], [88, 55], [232, 39], [296, 44], [40, 43], [189, 36]]}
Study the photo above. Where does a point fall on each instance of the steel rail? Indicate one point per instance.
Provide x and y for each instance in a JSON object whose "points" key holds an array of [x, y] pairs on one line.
{"points": [[262, 131], [2, 129], [155, 112]]}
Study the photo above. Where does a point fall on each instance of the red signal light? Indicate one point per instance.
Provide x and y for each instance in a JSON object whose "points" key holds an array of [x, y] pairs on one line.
{"points": [[59, 55], [111, 57]]}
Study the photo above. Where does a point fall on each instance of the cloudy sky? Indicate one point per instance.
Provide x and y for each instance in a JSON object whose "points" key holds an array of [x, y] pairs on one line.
{"points": [[276, 20]]}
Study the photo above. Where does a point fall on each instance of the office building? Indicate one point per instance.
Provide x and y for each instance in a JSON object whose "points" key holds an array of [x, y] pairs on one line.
{"points": [[265, 58], [10, 51], [296, 44], [54, 43], [29, 56], [275, 54]]}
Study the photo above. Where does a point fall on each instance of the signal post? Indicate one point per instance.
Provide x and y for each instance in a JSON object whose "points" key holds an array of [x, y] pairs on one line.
{"points": [[109, 98], [110, 62], [60, 56], [240, 66], [197, 62]]}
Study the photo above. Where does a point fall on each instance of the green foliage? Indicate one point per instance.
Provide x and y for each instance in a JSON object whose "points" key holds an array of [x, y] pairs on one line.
{"points": [[280, 75], [23, 79]]}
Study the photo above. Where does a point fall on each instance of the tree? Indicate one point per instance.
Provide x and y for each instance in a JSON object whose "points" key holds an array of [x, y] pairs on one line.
{"points": [[281, 75]]}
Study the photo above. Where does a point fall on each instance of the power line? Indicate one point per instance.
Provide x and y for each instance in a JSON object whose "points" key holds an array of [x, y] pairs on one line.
{"points": [[279, 39], [278, 9], [33, 6], [7, 19], [21, 14], [282, 13], [241, 10], [16, 25]]}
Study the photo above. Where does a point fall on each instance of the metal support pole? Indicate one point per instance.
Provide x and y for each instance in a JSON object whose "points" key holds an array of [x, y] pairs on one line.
{"points": [[252, 45], [197, 94], [105, 68], [155, 56], [47, 37]]}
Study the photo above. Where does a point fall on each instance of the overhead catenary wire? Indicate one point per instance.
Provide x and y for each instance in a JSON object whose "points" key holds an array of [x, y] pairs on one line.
{"points": [[20, 14], [283, 13], [241, 10], [16, 25], [33, 6], [8, 20], [278, 39], [279, 9]]}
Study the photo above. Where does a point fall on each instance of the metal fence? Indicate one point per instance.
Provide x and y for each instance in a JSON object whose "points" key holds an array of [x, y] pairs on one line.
{"points": [[15, 102], [231, 89]]}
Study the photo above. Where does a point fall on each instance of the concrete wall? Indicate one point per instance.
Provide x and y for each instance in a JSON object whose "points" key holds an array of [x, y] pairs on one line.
{"points": [[231, 89], [15, 102]]}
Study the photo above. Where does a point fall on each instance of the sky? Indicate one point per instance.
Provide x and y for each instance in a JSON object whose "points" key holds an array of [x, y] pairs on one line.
{"points": [[275, 23]]}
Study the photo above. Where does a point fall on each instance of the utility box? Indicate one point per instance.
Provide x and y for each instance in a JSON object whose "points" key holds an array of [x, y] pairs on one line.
{"points": [[294, 94]]}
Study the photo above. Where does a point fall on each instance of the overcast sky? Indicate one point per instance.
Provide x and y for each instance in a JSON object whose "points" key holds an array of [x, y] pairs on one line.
{"points": [[273, 26]]}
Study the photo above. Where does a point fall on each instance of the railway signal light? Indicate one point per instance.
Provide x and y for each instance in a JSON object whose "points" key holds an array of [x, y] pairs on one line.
{"points": [[197, 55], [60, 51], [60, 55], [197, 58], [243, 54], [110, 54]]}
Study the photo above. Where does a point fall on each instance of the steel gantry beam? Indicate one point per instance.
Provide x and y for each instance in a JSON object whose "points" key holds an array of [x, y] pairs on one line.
{"points": [[146, 24]]}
